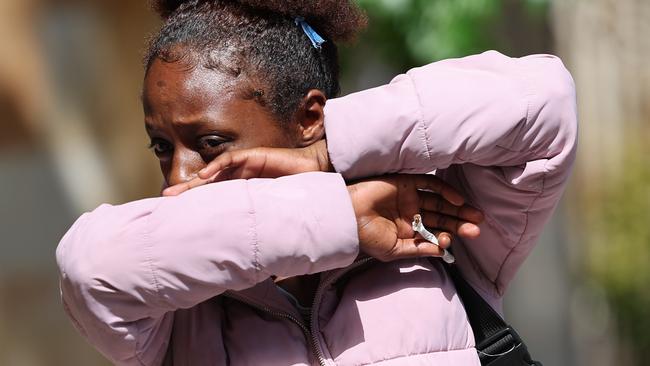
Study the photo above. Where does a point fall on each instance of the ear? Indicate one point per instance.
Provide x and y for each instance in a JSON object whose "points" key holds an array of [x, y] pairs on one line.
{"points": [[310, 118]]}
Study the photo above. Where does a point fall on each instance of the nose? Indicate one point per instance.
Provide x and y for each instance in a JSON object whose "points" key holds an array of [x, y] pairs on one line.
{"points": [[185, 166]]}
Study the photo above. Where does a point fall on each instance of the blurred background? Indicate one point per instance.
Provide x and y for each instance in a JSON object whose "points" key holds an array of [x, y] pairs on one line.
{"points": [[71, 137]]}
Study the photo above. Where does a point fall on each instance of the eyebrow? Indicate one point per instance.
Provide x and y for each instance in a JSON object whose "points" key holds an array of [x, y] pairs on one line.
{"points": [[150, 126]]}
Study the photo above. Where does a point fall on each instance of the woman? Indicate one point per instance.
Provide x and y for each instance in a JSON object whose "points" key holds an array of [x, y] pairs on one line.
{"points": [[192, 278]]}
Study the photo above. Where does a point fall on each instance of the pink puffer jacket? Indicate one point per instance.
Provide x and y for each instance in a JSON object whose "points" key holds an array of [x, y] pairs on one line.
{"points": [[185, 280]]}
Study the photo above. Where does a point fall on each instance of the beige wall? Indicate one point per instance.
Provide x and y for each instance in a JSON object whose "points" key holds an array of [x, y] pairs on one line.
{"points": [[70, 125]]}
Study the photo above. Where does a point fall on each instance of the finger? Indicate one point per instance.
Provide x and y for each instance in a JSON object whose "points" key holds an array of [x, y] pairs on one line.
{"points": [[405, 230], [450, 224], [223, 175], [185, 186], [175, 190], [414, 248], [225, 160], [444, 238], [435, 203], [436, 185]]}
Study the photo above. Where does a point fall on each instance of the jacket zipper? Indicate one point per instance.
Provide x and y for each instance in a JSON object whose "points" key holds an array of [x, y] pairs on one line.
{"points": [[311, 335], [283, 315], [319, 294]]}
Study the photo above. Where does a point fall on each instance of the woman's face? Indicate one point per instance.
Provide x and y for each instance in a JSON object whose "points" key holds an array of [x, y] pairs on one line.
{"points": [[194, 114]]}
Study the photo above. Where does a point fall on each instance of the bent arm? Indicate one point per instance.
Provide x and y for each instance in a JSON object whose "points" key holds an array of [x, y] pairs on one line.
{"points": [[125, 269], [502, 130]]}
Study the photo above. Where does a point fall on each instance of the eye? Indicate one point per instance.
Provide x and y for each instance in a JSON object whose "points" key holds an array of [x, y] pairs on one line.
{"points": [[210, 143], [160, 147]]}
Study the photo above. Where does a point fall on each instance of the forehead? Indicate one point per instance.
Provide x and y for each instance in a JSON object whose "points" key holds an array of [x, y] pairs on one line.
{"points": [[177, 87], [193, 98]]}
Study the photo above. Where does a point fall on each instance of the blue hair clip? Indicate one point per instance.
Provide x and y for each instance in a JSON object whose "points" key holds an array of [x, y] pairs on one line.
{"points": [[315, 38]]}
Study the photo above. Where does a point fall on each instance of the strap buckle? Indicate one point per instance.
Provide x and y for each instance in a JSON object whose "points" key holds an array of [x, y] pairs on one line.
{"points": [[505, 347], [499, 344]]}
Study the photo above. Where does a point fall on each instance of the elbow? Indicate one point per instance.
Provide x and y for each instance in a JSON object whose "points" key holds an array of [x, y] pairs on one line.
{"points": [[554, 91], [553, 108], [559, 80], [562, 104], [106, 287], [74, 261], [81, 254], [99, 262], [77, 273]]}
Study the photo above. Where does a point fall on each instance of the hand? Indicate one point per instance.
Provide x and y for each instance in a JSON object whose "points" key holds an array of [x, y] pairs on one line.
{"points": [[385, 207], [261, 162]]}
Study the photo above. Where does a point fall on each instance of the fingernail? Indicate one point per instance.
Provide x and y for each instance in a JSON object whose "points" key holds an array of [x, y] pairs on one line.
{"points": [[473, 230], [468, 229]]}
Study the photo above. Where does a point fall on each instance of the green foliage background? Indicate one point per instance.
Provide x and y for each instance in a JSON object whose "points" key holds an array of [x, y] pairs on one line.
{"points": [[414, 32]]}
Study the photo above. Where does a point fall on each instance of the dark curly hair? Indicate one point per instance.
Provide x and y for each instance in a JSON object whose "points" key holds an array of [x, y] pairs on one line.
{"points": [[260, 40]]}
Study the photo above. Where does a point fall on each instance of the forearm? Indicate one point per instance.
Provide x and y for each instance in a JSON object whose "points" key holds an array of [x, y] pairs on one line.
{"points": [[488, 109], [125, 265]]}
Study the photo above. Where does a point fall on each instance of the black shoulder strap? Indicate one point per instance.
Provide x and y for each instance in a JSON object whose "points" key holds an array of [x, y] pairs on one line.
{"points": [[485, 321], [497, 343]]}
